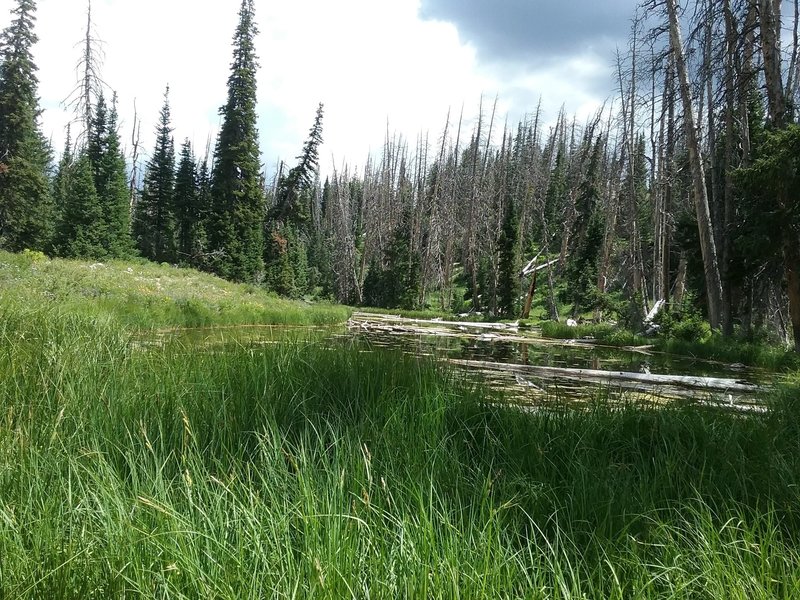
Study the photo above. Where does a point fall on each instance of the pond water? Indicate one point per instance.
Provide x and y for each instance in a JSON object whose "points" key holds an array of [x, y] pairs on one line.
{"points": [[567, 354], [448, 342]]}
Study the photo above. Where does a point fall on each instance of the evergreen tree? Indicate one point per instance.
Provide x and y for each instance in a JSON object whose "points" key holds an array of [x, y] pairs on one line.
{"points": [[61, 179], [26, 215], [508, 283], [237, 233], [397, 285], [188, 220], [110, 180], [293, 201], [204, 205], [583, 267], [154, 221], [79, 233]]}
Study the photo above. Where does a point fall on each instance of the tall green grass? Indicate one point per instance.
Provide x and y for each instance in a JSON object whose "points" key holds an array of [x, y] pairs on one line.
{"points": [[305, 471]]}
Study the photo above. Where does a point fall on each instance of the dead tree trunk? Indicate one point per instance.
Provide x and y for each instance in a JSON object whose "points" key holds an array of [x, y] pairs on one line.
{"points": [[707, 245]]}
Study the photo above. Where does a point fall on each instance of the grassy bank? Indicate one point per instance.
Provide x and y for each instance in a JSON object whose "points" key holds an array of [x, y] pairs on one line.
{"points": [[146, 295], [715, 347], [302, 471]]}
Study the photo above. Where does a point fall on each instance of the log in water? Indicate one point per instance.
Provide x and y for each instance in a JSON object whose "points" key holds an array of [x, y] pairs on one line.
{"points": [[711, 384]]}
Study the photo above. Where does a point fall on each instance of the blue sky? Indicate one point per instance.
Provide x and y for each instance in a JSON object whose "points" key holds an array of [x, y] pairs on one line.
{"points": [[374, 63]]}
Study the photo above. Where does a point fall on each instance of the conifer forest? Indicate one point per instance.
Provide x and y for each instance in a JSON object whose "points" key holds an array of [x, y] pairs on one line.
{"points": [[540, 356]]}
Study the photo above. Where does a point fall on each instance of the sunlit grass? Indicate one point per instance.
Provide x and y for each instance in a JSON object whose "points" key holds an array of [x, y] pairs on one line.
{"points": [[147, 295]]}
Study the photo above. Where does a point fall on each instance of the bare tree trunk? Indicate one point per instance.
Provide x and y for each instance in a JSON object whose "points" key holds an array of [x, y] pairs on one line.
{"points": [[707, 245], [730, 107]]}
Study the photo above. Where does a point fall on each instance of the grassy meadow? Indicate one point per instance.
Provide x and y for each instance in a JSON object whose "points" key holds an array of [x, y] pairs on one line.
{"points": [[147, 295], [302, 470]]}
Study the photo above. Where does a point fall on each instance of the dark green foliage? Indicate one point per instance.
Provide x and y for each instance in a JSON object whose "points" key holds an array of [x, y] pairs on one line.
{"points": [[777, 170], [26, 215], [110, 180], [79, 233], [238, 201], [321, 278], [509, 283], [582, 269], [289, 226], [286, 263], [61, 179], [683, 322], [154, 220], [397, 283], [190, 214], [26, 210], [555, 197]]}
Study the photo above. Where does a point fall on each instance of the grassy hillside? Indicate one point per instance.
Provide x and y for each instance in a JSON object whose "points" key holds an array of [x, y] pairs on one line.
{"points": [[147, 295]]}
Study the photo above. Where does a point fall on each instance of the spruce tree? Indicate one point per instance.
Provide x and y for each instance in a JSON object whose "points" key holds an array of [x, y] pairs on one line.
{"points": [[237, 233], [110, 180], [26, 215], [204, 201], [188, 217], [398, 284], [293, 201], [508, 284], [154, 221], [61, 179], [79, 233]]}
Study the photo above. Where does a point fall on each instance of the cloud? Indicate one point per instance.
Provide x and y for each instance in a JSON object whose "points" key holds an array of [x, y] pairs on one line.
{"points": [[375, 64], [371, 62], [535, 32]]}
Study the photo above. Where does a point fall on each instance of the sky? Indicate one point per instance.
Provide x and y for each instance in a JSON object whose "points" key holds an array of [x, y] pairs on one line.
{"points": [[377, 65]]}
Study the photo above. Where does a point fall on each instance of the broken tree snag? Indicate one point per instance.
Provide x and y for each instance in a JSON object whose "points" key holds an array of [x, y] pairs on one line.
{"points": [[654, 312], [526, 312], [709, 384], [533, 268]]}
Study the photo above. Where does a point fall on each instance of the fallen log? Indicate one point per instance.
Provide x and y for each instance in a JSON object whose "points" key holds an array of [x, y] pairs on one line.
{"points": [[710, 384], [401, 328], [372, 317]]}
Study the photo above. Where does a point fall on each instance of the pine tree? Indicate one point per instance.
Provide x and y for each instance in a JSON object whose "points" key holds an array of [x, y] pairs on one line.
{"points": [[110, 180], [79, 233], [26, 215], [238, 204], [154, 221]]}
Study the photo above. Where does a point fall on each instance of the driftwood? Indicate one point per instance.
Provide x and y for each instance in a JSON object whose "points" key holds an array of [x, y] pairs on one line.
{"points": [[709, 384]]}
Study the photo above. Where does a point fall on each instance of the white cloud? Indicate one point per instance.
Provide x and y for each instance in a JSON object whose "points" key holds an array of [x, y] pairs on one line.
{"points": [[369, 61]]}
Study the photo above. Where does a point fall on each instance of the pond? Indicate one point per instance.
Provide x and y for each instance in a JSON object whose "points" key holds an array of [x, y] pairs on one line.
{"points": [[527, 368]]}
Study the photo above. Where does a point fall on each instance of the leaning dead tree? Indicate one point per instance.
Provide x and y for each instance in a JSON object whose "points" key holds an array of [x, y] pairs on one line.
{"points": [[707, 243]]}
